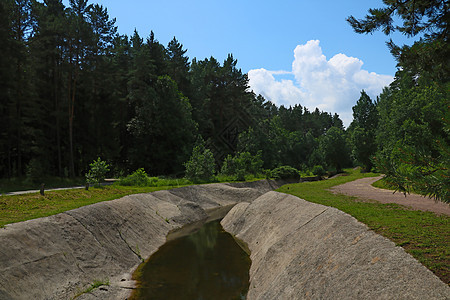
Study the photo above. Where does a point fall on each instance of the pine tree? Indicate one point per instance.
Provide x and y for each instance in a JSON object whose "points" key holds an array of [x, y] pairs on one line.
{"points": [[362, 130]]}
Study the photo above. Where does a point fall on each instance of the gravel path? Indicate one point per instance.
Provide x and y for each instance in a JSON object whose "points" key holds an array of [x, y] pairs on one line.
{"points": [[362, 188]]}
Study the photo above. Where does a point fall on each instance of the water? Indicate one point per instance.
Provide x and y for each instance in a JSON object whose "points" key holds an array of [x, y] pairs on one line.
{"points": [[206, 264]]}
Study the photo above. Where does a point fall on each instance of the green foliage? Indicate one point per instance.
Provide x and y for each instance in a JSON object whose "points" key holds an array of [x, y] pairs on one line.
{"points": [[242, 164], [285, 172], [426, 59], [414, 171], [318, 170], [362, 131], [128, 99], [97, 171], [138, 178], [413, 140], [334, 148], [413, 131], [163, 128], [201, 165]]}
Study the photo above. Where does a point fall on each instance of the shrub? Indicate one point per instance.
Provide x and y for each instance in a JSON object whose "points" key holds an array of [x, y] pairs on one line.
{"points": [[201, 165], [138, 178], [318, 170], [285, 172], [97, 172], [242, 164]]}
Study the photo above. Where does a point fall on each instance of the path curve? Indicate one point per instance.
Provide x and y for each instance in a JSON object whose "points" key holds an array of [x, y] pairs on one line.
{"points": [[362, 188]]}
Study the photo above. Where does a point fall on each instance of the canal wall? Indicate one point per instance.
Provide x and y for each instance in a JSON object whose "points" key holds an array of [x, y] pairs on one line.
{"points": [[299, 250], [302, 250], [58, 257]]}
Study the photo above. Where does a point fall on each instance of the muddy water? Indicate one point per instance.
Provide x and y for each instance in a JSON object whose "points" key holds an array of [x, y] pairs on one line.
{"points": [[206, 264]]}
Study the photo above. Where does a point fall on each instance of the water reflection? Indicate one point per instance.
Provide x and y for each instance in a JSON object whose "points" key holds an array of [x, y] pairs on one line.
{"points": [[207, 264]]}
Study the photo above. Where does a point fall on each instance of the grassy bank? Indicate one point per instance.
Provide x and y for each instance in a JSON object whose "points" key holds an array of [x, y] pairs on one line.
{"points": [[23, 184], [24, 207], [19, 208], [422, 234]]}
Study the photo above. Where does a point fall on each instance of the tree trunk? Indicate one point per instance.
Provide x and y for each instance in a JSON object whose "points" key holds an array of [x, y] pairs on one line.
{"points": [[58, 135]]}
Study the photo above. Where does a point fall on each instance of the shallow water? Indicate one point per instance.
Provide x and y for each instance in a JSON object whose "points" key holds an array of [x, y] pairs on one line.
{"points": [[207, 264]]}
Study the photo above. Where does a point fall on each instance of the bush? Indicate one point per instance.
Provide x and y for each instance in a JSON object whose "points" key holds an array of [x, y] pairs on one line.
{"points": [[97, 172], [201, 165], [285, 172], [138, 178], [318, 170], [242, 164]]}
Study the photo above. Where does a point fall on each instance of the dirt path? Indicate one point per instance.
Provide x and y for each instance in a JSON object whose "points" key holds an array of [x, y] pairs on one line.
{"points": [[363, 188]]}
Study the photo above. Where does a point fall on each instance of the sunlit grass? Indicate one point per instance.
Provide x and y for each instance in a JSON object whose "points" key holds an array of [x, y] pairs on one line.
{"points": [[422, 234], [19, 208]]}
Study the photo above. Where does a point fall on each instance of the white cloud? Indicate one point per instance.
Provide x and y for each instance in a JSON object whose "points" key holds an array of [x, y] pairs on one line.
{"points": [[332, 85]]}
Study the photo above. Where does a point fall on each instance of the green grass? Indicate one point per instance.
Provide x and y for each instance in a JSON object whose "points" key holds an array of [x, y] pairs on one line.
{"points": [[19, 208], [22, 184], [422, 234], [381, 184], [94, 285]]}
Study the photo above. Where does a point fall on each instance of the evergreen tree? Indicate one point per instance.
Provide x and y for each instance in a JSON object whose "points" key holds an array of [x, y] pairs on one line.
{"points": [[426, 58], [178, 66], [362, 130], [334, 148]]}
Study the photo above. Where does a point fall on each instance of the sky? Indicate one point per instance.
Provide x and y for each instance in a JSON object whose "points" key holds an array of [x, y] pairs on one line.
{"points": [[295, 52]]}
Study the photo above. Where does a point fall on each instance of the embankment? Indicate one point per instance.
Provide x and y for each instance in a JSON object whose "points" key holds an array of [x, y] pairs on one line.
{"points": [[58, 256], [302, 250], [299, 250]]}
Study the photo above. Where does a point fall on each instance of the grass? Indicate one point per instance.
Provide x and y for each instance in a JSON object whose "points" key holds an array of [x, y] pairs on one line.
{"points": [[21, 184], [94, 285], [424, 235], [19, 208]]}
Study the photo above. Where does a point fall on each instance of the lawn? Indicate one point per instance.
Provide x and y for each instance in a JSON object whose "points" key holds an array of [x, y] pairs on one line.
{"points": [[19, 208], [422, 234]]}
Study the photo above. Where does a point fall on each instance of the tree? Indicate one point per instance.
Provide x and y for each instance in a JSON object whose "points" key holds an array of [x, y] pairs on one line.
{"points": [[242, 164], [362, 130], [427, 57], [178, 65], [47, 52], [98, 171], [6, 68], [334, 148], [413, 136], [201, 164], [78, 36], [162, 127]]}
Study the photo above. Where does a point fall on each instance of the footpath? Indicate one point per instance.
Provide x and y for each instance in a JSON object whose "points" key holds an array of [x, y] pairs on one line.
{"points": [[363, 189]]}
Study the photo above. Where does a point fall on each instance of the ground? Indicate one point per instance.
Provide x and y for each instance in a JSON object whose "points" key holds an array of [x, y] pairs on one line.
{"points": [[362, 188]]}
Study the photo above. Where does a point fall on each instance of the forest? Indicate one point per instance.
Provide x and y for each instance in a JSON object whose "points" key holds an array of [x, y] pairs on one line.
{"points": [[73, 90]]}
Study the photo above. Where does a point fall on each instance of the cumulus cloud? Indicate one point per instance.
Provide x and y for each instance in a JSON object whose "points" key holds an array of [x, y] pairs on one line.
{"points": [[332, 85]]}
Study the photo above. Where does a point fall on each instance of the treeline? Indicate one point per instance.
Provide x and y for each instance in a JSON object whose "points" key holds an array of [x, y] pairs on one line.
{"points": [[73, 89]]}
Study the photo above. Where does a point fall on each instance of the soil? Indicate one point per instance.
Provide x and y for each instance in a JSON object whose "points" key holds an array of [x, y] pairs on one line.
{"points": [[363, 189]]}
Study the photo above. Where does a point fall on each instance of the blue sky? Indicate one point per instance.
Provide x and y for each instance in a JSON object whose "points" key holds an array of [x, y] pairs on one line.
{"points": [[263, 35]]}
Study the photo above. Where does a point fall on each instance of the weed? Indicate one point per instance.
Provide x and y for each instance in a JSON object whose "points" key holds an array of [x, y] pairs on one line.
{"points": [[94, 285]]}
